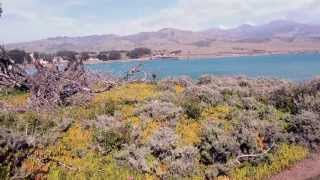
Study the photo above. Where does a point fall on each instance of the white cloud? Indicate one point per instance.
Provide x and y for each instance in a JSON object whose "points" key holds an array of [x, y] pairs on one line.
{"points": [[201, 14], [29, 19]]}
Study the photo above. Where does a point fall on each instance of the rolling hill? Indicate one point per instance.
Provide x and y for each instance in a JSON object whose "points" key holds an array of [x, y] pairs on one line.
{"points": [[275, 37]]}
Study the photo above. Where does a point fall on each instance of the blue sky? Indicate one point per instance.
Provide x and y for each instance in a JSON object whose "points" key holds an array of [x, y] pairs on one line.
{"points": [[26, 20]]}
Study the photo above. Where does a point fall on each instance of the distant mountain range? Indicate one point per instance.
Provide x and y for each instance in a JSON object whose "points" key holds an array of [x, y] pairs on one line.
{"points": [[277, 36]]}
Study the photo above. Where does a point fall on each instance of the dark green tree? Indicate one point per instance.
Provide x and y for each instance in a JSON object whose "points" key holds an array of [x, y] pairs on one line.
{"points": [[114, 55], [139, 52], [67, 55], [103, 56]]}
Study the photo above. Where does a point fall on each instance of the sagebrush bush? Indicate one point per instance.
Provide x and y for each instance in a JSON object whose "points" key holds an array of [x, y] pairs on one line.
{"points": [[242, 85], [111, 139], [255, 134], [171, 97], [217, 146], [170, 83], [305, 128], [297, 98], [249, 103], [249, 135], [110, 108], [172, 129], [108, 122], [284, 99], [203, 94], [136, 158], [192, 109], [8, 119], [163, 143], [183, 163], [14, 149], [111, 133], [160, 111]]}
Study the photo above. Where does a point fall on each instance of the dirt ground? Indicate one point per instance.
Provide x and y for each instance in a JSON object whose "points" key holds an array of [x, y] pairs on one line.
{"points": [[308, 169]]}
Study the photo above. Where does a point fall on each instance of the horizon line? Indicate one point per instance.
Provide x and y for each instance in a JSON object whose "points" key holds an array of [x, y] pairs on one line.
{"points": [[166, 28]]}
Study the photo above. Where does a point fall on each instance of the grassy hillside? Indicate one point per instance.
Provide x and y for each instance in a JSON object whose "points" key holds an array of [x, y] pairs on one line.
{"points": [[214, 128]]}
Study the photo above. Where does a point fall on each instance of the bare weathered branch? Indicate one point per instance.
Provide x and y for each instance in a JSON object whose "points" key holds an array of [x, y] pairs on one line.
{"points": [[253, 155], [11, 75]]}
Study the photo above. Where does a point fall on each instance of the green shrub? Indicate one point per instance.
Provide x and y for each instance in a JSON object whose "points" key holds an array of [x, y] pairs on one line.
{"points": [[160, 111], [203, 94], [193, 110], [56, 173], [305, 128], [110, 108], [32, 123], [180, 130], [217, 147], [8, 119], [11, 92], [111, 139], [4, 172]]}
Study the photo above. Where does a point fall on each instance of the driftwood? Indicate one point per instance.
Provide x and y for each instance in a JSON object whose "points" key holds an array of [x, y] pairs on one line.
{"points": [[131, 74], [52, 85], [238, 159]]}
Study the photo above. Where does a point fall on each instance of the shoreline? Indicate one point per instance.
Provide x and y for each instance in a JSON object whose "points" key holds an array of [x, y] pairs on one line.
{"points": [[197, 56]]}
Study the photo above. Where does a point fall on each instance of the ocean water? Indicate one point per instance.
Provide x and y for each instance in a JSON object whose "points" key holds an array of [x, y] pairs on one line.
{"points": [[296, 67]]}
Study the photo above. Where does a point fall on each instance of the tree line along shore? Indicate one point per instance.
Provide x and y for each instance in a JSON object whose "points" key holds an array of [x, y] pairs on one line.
{"points": [[24, 57]]}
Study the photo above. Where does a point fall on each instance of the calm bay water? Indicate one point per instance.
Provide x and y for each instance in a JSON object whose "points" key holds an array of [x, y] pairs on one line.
{"points": [[295, 67]]}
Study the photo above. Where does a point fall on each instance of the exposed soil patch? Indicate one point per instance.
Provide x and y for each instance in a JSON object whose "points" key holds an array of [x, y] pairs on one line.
{"points": [[308, 169]]}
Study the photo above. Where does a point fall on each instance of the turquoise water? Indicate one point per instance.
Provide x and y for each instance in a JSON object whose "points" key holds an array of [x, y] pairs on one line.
{"points": [[295, 67]]}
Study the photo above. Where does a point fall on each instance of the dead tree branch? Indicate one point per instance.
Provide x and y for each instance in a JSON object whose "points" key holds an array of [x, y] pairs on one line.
{"points": [[11, 75], [52, 85], [132, 72], [238, 159]]}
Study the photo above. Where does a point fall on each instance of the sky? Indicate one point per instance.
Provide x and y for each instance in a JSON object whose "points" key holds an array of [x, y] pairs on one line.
{"points": [[26, 20]]}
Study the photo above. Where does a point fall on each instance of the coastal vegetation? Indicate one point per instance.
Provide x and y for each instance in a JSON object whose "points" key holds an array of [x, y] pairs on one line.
{"points": [[62, 122], [175, 128], [23, 57], [117, 55]]}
